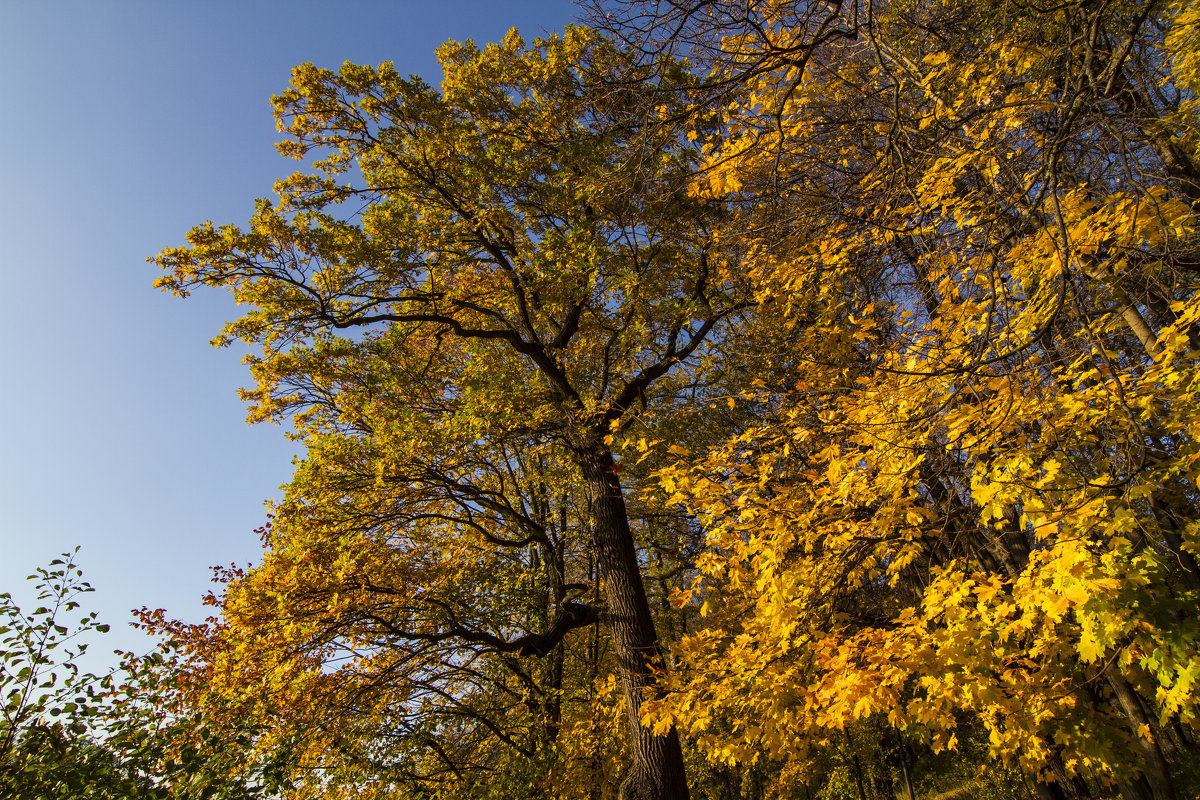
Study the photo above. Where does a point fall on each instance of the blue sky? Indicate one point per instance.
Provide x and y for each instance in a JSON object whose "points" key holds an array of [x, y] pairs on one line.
{"points": [[124, 124]]}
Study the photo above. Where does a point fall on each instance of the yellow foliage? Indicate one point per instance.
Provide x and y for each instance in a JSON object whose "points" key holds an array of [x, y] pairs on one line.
{"points": [[978, 498]]}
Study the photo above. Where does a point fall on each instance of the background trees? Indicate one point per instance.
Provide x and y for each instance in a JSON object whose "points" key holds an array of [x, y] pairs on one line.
{"points": [[48, 741]]}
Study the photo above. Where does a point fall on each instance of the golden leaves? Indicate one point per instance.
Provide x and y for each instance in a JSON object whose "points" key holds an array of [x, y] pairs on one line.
{"points": [[951, 510]]}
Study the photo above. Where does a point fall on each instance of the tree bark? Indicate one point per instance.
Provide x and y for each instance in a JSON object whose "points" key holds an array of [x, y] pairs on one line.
{"points": [[657, 772], [908, 787], [1048, 791], [856, 765], [1157, 774]]}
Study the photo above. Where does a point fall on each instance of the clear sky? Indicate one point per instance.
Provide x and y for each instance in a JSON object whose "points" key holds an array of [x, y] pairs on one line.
{"points": [[122, 124]]}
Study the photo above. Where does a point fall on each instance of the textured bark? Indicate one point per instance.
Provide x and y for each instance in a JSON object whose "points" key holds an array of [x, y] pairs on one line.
{"points": [[657, 772], [1134, 790], [1157, 775]]}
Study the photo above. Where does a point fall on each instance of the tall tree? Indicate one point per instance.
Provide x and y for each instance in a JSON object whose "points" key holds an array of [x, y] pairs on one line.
{"points": [[463, 309], [977, 491]]}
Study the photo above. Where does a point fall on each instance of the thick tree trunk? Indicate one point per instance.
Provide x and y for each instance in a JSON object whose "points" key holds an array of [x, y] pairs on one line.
{"points": [[657, 772], [1049, 791], [552, 559]]}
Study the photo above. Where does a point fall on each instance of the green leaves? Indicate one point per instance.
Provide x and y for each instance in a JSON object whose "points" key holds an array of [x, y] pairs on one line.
{"points": [[55, 717], [68, 734]]}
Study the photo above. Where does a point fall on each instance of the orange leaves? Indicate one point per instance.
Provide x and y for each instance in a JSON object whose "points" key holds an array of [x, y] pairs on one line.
{"points": [[963, 498]]}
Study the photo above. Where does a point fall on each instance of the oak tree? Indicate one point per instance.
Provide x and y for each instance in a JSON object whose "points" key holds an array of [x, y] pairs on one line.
{"points": [[464, 308]]}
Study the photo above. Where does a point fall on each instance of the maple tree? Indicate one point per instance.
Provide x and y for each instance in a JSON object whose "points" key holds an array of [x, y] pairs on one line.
{"points": [[974, 491], [464, 310]]}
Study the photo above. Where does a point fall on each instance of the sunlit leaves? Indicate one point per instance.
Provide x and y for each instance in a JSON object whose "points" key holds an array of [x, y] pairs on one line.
{"points": [[465, 303], [979, 496]]}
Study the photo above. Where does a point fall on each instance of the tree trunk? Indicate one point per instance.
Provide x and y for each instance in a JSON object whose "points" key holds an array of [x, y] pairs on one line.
{"points": [[1049, 791], [1157, 775], [856, 766], [657, 772], [908, 787]]}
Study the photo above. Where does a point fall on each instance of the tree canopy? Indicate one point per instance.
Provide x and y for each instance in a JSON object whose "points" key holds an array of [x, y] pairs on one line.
{"points": [[742, 400], [462, 313]]}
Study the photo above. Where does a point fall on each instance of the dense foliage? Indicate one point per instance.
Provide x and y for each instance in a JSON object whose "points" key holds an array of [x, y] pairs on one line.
{"points": [[971, 502], [751, 400]]}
